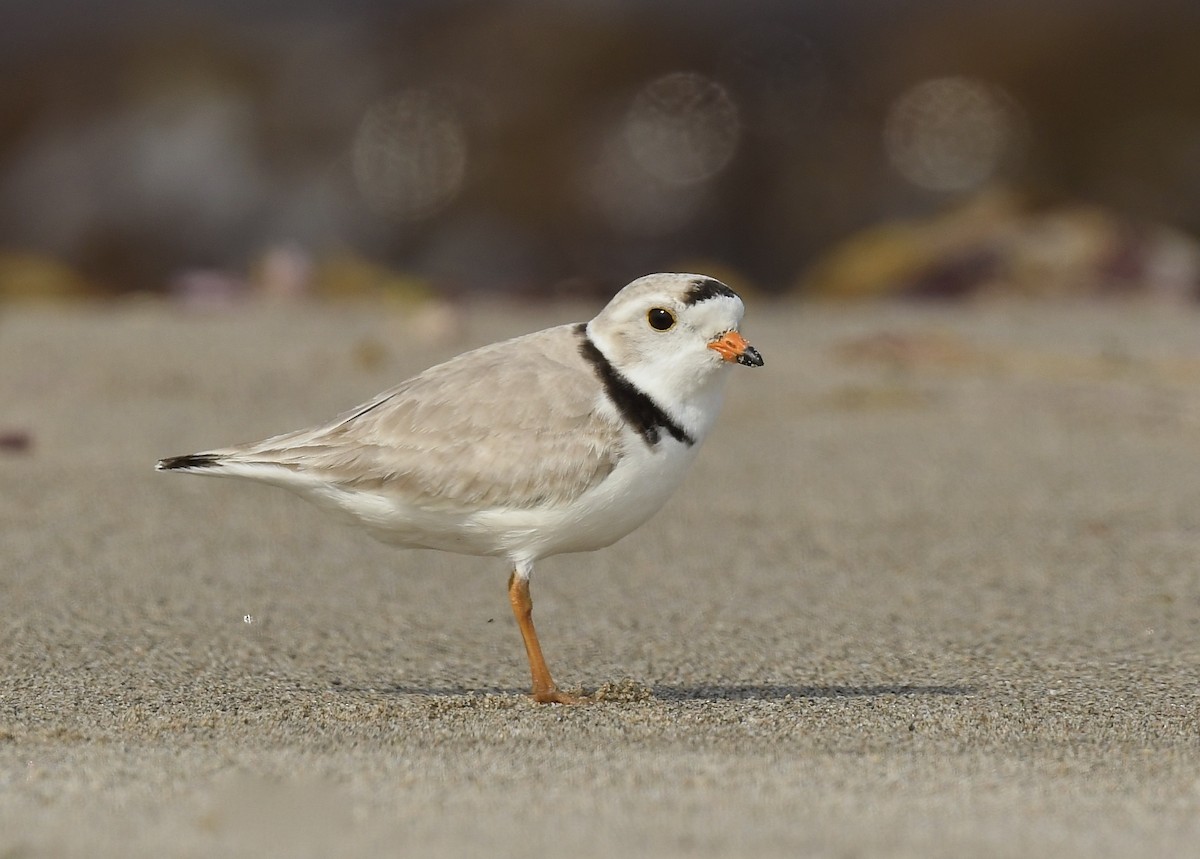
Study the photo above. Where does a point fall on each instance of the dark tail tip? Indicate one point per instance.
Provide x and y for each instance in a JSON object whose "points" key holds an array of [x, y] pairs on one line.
{"points": [[191, 460]]}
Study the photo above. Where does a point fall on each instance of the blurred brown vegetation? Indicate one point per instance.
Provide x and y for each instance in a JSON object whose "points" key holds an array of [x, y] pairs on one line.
{"points": [[216, 147]]}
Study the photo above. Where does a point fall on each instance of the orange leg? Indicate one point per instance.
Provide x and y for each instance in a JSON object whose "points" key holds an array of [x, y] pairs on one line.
{"points": [[544, 690]]}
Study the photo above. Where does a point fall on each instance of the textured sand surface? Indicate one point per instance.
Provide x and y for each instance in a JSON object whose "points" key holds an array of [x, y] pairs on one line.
{"points": [[933, 589]]}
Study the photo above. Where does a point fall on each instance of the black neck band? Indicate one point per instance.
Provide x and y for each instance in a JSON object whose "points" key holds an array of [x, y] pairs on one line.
{"points": [[643, 414]]}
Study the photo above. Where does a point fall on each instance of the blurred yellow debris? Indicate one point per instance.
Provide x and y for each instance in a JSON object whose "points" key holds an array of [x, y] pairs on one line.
{"points": [[417, 309], [884, 259], [999, 245], [346, 275], [25, 275], [869, 264]]}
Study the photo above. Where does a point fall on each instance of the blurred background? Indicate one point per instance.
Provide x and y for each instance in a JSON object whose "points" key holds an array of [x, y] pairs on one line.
{"points": [[215, 149]]}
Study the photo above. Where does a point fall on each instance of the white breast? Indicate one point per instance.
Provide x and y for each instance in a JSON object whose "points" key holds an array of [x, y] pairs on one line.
{"points": [[640, 484]]}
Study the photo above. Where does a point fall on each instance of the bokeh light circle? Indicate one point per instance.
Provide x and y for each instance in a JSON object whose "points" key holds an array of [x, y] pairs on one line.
{"points": [[683, 128], [950, 134], [409, 155]]}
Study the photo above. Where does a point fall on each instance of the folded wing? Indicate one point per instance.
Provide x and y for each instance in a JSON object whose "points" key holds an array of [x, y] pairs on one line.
{"points": [[515, 424]]}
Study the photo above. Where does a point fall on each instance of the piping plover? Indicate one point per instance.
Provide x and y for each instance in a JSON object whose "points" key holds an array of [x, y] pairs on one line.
{"points": [[564, 440]]}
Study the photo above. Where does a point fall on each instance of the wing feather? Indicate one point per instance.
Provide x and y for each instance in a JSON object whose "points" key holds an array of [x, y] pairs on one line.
{"points": [[514, 424]]}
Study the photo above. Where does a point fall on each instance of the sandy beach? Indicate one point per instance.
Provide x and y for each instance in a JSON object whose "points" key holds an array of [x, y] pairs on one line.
{"points": [[931, 590]]}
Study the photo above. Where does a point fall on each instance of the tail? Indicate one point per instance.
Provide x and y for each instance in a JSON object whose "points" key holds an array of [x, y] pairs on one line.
{"points": [[238, 463], [190, 462]]}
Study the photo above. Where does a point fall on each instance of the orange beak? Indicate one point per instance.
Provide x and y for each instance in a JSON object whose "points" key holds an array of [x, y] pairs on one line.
{"points": [[732, 346]]}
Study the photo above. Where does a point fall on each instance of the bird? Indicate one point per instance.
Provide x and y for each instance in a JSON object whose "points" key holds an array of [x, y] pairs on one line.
{"points": [[560, 441]]}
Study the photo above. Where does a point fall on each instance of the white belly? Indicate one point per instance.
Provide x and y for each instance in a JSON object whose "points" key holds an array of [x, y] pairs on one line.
{"points": [[635, 490]]}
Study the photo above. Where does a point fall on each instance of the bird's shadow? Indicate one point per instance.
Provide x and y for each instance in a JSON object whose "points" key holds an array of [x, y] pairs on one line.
{"points": [[703, 691], [779, 691]]}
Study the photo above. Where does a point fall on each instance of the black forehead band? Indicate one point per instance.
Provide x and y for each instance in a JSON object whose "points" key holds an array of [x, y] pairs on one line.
{"points": [[705, 288]]}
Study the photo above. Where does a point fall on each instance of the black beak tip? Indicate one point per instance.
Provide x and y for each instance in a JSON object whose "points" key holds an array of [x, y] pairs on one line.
{"points": [[750, 357]]}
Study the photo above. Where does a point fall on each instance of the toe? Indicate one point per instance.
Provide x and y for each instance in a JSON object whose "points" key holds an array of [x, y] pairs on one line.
{"points": [[556, 696]]}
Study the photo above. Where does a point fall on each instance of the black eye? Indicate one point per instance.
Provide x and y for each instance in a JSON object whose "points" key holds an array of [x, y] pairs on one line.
{"points": [[659, 319]]}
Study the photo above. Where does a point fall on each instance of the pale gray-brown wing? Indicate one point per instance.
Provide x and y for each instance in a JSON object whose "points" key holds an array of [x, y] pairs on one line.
{"points": [[514, 424]]}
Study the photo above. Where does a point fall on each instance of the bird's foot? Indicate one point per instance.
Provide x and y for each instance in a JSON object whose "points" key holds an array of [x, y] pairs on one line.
{"points": [[554, 695]]}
